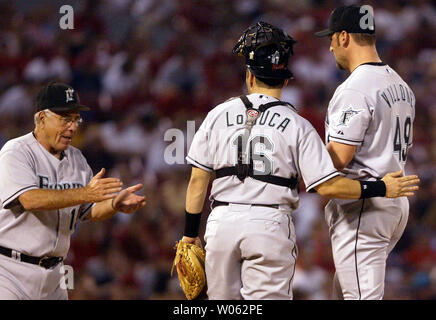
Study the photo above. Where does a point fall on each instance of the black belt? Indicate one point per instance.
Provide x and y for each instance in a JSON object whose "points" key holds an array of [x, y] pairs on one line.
{"points": [[45, 262], [217, 203]]}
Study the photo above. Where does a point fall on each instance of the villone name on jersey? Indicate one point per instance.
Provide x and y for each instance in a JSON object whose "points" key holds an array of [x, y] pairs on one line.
{"points": [[395, 93], [44, 183], [273, 121]]}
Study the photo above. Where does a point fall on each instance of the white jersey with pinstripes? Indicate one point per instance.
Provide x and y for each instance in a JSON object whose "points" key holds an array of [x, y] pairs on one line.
{"points": [[25, 165], [281, 143]]}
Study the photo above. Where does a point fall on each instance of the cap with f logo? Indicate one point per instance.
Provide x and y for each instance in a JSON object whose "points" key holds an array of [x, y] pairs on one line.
{"points": [[59, 97]]}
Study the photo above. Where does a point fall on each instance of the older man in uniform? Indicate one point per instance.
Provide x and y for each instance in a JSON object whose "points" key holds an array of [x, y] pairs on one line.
{"points": [[46, 185]]}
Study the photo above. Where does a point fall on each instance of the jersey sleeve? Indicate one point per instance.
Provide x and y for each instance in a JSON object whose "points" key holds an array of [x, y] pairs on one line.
{"points": [[314, 162], [85, 208], [199, 154], [349, 115], [17, 176]]}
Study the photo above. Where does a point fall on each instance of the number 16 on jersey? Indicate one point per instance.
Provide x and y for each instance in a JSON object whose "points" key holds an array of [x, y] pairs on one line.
{"points": [[258, 146]]}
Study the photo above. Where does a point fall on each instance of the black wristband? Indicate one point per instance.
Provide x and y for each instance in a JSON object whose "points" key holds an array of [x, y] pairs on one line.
{"points": [[192, 224], [370, 189]]}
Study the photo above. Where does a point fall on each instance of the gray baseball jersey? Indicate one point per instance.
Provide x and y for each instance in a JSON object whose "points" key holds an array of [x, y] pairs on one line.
{"points": [[281, 141], [25, 165], [374, 110], [251, 250]]}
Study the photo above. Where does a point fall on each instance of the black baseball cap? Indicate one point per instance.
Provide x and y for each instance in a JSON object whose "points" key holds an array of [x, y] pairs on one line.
{"points": [[351, 19], [59, 97]]}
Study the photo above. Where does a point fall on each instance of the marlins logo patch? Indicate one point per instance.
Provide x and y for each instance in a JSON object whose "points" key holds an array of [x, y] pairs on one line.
{"points": [[69, 95], [345, 117]]}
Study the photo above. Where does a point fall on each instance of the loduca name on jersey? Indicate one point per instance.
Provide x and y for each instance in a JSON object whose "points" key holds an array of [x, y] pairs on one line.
{"points": [[44, 183], [273, 121]]}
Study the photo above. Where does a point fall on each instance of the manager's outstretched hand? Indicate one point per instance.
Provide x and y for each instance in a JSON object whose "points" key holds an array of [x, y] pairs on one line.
{"points": [[127, 201], [100, 189]]}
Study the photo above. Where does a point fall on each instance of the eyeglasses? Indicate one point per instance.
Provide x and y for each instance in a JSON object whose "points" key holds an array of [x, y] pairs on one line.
{"points": [[67, 121]]}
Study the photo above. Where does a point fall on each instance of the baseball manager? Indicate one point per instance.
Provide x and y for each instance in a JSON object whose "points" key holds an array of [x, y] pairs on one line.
{"points": [[46, 185]]}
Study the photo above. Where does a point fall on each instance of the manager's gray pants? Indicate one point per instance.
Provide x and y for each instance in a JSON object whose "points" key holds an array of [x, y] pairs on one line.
{"points": [[25, 281]]}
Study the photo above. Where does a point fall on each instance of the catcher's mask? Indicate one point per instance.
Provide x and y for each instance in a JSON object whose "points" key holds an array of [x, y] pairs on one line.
{"points": [[266, 50]]}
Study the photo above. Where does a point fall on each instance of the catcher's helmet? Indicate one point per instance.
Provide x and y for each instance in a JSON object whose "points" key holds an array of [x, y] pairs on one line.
{"points": [[266, 50]]}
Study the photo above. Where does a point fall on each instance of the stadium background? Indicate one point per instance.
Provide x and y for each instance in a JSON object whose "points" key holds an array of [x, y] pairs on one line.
{"points": [[145, 66]]}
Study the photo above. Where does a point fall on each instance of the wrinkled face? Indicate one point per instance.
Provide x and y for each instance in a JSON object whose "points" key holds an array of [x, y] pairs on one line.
{"points": [[338, 51], [59, 129]]}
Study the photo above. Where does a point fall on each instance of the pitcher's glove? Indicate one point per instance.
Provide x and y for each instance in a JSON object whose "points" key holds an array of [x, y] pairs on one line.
{"points": [[189, 262]]}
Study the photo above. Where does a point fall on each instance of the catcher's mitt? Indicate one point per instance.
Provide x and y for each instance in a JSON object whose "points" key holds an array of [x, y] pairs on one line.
{"points": [[189, 262]]}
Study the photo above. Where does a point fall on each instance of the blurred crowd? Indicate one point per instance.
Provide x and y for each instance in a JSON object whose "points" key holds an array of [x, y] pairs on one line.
{"points": [[146, 66]]}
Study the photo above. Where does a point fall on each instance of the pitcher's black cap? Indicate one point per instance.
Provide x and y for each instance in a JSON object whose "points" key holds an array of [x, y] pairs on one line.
{"points": [[59, 97], [353, 19]]}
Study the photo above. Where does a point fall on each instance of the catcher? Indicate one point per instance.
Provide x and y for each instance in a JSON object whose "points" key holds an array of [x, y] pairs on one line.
{"points": [[259, 148]]}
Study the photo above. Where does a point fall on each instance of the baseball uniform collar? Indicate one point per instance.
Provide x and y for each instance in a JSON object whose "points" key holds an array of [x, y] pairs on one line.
{"points": [[376, 64], [263, 96], [373, 64]]}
